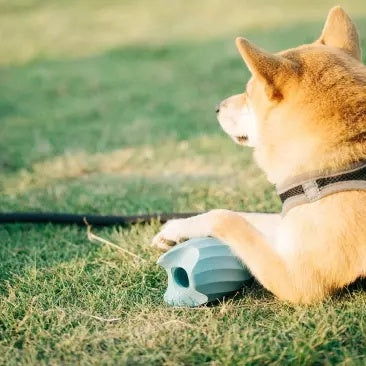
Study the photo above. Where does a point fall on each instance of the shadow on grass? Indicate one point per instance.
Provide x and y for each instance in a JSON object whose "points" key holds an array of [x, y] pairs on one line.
{"points": [[357, 286]]}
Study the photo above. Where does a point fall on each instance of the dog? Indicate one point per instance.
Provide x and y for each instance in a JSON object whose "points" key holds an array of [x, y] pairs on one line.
{"points": [[304, 114]]}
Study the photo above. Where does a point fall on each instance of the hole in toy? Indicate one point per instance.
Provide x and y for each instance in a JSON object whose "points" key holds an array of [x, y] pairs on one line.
{"points": [[180, 277]]}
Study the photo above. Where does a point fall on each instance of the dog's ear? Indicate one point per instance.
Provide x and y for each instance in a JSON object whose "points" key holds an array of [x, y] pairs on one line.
{"points": [[270, 69], [339, 31]]}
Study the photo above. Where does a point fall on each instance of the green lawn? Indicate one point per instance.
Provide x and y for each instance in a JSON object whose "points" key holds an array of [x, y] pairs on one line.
{"points": [[108, 107]]}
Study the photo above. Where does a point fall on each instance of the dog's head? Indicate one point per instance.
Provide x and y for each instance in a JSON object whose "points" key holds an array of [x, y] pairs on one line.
{"points": [[301, 104]]}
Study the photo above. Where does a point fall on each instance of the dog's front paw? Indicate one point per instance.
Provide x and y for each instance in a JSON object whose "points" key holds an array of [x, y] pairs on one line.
{"points": [[170, 234]]}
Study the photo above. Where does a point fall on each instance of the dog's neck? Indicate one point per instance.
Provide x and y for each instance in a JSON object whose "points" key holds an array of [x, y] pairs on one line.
{"points": [[311, 187], [282, 167]]}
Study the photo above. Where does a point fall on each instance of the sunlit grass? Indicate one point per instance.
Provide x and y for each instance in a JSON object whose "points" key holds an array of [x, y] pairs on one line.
{"points": [[90, 129]]}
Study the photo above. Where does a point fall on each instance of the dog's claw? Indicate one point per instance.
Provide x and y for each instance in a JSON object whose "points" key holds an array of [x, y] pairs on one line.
{"points": [[168, 236], [161, 243]]}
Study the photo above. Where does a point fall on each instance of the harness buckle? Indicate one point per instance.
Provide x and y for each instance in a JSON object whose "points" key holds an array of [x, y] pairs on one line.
{"points": [[311, 190]]}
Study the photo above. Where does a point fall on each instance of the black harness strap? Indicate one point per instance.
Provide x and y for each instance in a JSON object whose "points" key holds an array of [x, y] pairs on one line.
{"points": [[310, 190]]}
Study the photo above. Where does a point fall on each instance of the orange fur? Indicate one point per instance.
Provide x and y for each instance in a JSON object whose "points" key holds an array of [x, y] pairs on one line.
{"points": [[310, 115]]}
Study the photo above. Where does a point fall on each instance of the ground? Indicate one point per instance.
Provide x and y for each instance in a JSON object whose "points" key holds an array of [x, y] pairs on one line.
{"points": [[108, 107]]}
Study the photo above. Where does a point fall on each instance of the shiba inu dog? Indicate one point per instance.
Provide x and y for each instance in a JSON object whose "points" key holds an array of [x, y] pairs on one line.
{"points": [[304, 113]]}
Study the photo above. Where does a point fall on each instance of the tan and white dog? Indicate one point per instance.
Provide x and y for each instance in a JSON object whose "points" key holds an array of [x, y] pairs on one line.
{"points": [[304, 111]]}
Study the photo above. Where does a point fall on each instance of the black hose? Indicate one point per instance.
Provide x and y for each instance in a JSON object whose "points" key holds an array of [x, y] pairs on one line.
{"points": [[80, 219]]}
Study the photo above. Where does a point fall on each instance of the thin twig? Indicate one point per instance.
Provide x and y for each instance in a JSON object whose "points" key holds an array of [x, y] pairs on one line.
{"points": [[92, 236], [108, 320]]}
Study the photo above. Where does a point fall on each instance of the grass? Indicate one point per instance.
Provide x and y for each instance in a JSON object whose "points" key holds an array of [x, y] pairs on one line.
{"points": [[102, 114]]}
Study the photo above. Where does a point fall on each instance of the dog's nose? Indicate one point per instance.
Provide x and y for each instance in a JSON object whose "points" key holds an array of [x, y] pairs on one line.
{"points": [[217, 108]]}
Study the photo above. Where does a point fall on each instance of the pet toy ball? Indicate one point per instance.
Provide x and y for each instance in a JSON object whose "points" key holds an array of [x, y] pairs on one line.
{"points": [[202, 270]]}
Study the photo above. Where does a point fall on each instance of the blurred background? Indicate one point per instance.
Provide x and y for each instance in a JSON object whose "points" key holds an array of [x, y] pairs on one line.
{"points": [[108, 106]]}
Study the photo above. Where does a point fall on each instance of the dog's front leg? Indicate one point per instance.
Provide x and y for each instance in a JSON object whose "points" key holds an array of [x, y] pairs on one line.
{"points": [[248, 243]]}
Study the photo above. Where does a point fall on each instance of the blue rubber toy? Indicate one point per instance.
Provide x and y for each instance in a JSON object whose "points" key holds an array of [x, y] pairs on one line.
{"points": [[202, 270]]}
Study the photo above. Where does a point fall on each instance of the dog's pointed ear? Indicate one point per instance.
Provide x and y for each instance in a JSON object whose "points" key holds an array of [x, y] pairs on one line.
{"points": [[339, 31], [265, 66]]}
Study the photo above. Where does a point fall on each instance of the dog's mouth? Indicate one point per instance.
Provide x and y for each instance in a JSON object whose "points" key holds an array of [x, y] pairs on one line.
{"points": [[241, 140]]}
